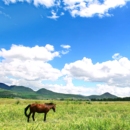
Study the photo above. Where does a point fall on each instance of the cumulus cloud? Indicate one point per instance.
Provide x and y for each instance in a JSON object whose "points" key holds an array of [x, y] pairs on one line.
{"points": [[30, 53], [88, 8], [113, 73], [82, 8], [30, 66], [29, 63]]}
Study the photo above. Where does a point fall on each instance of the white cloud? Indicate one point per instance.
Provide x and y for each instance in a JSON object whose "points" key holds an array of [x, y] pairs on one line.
{"points": [[29, 66], [66, 49], [116, 56], [88, 8], [30, 53], [14, 1], [9, 1], [109, 76], [66, 46], [62, 13], [47, 3], [64, 52], [28, 63], [54, 15], [114, 73], [82, 8], [49, 47]]}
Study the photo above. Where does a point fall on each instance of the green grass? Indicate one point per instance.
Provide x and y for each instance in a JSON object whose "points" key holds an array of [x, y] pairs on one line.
{"points": [[69, 115]]}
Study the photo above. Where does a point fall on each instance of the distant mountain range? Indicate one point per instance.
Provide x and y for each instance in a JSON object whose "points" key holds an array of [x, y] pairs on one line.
{"points": [[14, 91]]}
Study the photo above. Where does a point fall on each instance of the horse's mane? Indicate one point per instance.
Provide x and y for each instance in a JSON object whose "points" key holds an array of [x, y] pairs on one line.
{"points": [[49, 103]]}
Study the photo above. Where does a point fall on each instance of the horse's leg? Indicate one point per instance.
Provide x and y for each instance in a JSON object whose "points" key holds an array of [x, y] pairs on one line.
{"points": [[45, 116], [29, 116], [33, 116]]}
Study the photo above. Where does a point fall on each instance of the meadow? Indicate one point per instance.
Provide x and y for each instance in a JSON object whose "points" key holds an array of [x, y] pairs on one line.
{"points": [[69, 115]]}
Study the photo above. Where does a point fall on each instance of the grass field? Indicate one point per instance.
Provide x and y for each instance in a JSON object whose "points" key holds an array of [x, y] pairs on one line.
{"points": [[69, 115]]}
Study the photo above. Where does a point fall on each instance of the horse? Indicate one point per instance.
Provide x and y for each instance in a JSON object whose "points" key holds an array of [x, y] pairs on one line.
{"points": [[39, 108]]}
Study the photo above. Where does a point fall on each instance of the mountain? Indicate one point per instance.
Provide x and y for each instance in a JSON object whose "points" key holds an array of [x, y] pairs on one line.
{"points": [[4, 86], [44, 91], [49, 94], [21, 89], [7, 94], [103, 96], [25, 92], [108, 95], [17, 91]]}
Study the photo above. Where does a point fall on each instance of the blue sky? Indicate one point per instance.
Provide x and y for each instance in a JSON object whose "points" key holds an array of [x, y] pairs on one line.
{"points": [[68, 46]]}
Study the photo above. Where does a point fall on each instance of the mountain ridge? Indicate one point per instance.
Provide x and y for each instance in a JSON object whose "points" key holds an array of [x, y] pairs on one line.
{"points": [[26, 92]]}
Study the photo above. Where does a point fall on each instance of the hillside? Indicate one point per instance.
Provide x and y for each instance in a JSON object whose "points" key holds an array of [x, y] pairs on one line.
{"points": [[4, 86], [108, 95], [49, 94], [8, 94], [103, 96], [25, 92]]}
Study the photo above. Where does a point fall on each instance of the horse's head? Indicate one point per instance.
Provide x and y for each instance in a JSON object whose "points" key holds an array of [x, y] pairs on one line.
{"points": [[51, 106], [54, 107]]}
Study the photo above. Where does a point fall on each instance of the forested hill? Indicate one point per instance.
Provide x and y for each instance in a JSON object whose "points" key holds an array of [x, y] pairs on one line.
{"points": [[14, 91]]}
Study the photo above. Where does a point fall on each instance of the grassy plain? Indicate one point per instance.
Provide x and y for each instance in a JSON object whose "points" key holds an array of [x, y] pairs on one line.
{"points": [[69, 115]]}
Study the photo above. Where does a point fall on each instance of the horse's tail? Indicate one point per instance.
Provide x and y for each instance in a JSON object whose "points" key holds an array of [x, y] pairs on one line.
{"points": [[25, 110]]}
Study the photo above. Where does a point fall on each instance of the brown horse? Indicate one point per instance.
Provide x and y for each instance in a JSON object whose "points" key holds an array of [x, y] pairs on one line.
{"points": [[39, 108]]}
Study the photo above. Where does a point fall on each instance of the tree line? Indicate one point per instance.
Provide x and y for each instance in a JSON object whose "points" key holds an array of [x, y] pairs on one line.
{"points": [[112, 99]]}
